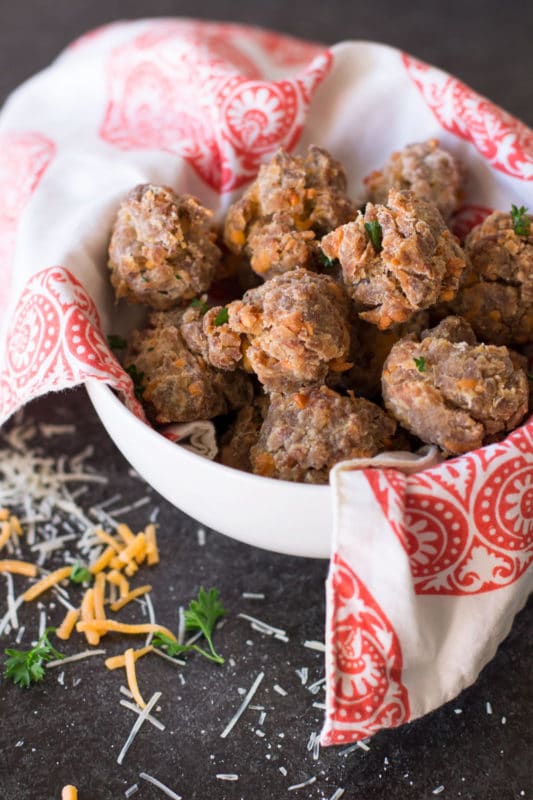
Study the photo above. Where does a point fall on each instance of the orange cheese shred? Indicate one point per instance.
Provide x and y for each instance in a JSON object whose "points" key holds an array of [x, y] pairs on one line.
{"points": [[5, 533], [69, 793], [152, 550], [125, 533], [118, 579], [99, 596], [15, 524], [106, 538], [102, 561], [4, 514], [116, 662], [140, 590], [46, 583], [131, 676], [87, 617], [67, 626], [101, 626], [19, 568]]}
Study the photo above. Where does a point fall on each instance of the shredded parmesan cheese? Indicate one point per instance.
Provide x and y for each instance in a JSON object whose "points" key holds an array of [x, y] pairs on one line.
{"points": [[242, 708], [130, 596], [19, 568], [137, 726], [155, 782]]}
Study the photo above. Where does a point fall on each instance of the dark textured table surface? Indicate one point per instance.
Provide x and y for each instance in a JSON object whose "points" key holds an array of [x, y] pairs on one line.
{"points": [[70, 728]]}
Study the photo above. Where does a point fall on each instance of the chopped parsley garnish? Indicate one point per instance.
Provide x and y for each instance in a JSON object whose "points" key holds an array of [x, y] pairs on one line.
{"points": [[327, 262], [25, 667], [375, 234], [201, 615], [138, 380], [80, 574], [222, 317], [529, 376], [143, 277], [420, 364], [521, 221], [116, 342], [197, 303]]}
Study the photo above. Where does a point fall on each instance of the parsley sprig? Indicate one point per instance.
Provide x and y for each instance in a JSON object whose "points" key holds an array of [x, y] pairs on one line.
{"points": [[375, 234], [116, 342], [200, 305], [521, 221], [138, 380], [222, 317], [201, 615], [25, 667], [327, 262], [420, 364], [80, 574]]}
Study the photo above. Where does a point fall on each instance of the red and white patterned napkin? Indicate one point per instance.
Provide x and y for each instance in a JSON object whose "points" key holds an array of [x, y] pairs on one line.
{"points": [[428, 569]]}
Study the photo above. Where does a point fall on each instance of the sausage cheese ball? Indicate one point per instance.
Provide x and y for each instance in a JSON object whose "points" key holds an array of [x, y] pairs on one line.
{"points": [[452, 393], [175, 384], [432, 174], [496, 292], [306, 433], [291, 331], [162, 249], [396, 259], [293, 200], [242, 434]]}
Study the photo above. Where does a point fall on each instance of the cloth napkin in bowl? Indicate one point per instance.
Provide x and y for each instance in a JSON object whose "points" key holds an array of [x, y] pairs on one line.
{"points": [[431, 561]]}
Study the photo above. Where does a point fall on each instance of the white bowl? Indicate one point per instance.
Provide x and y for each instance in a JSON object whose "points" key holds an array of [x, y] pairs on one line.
{"points": [[291, 518]]}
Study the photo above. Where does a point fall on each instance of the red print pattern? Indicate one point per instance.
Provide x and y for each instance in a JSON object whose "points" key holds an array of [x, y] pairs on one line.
{"points": [[467, 525], [500, 138], [54, 341], [188, 88], [366, 692], [23, 160], [467, 218]]}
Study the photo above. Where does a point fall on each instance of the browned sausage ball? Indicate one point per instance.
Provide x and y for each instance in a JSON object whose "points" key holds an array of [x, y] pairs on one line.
{"points": [[177, 385], [452, 393], [293, 200], [305, 434], [291, 331], [242, 434], [496, 291], [162, 249], [417, 263], [423, 168]]}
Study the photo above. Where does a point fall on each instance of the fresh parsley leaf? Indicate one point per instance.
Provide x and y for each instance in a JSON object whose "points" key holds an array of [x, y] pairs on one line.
{"points": [[197, 303], [521, 221], [25, 667], [420, 364], [327, 262], [138, 380], [201, 615], [116, 342], [144, 278], [222, 317], [80, 574], [375, 234], [529, 376]]}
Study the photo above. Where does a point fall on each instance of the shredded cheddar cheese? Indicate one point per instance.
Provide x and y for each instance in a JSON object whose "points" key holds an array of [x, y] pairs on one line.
{"points": [[87, 617], [117, 662], [5, 533], [140, 590], [115, 577], [19, 568], [15, 524], [67, 626], [69, 793], [4, 514], [125, 533], [101, 626], [102, 561], [46, 583], [131, 676], [99, 595], [108, 539], [152, 550]]}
